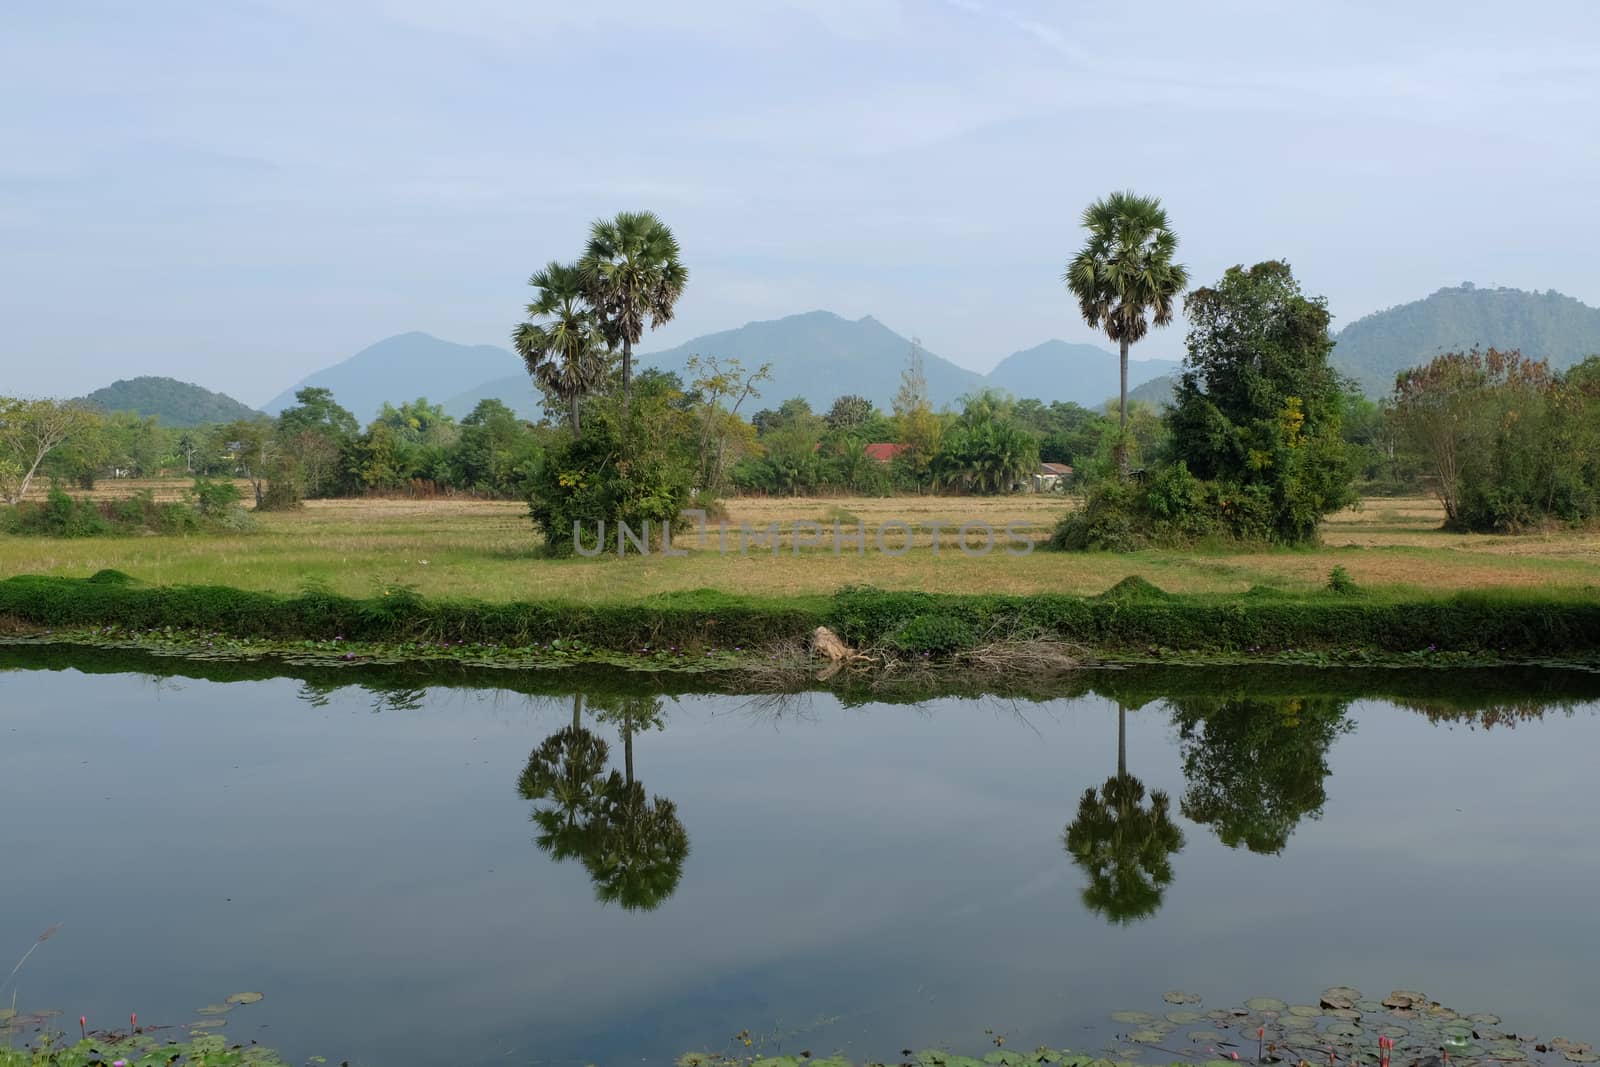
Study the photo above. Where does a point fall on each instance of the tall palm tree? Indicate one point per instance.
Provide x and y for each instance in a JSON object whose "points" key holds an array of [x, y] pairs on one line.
{"points": [[1124, 847], [632, 275], [562, 344], [1124, 278]]}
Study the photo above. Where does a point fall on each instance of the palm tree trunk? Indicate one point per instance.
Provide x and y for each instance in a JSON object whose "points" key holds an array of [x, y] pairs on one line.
{"points": [[577, 711], [1122, 740], [1122, 412], [577, 430], [627, 376]]}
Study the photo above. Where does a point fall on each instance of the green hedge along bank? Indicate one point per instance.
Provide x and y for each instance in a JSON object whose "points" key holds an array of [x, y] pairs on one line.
{"points": [[1133, 618]]}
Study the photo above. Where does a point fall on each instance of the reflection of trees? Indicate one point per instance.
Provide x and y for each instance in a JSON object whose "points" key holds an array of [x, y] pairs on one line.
{"points": [[1256, 768], [631, 843], [1124, 846]]}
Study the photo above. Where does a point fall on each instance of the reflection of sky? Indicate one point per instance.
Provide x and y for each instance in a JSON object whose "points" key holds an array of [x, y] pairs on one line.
{"points": [[898, 871]]}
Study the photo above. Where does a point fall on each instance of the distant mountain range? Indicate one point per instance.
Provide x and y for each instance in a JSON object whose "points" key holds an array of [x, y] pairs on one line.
{"points": [[816, 355], [405, 367], [819, 356], [1543, 325], [175, 403]]}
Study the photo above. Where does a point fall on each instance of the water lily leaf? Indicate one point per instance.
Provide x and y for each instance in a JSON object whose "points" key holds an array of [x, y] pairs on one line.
{"points": [[7, 1014], [1178, 996], [207, 1024], [1506, 1052], [1349, 1015], [1340, 996], [1129, 1053], [216, 1009], [1265, 1004], [1405, 998], [1205, 1037], [1305, 1011], [244, 998], [1005, 1058], [1184, 1018], [1575, 1056], [1148, 1036], [1458, 1032], [1483, 1018], [1343, 1029], [1392, 1030], [1132, 1018]]}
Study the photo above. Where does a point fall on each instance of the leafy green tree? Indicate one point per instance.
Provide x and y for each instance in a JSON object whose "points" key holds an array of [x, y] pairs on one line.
{"points": [[1258, 409], [29, 431], [850, 412], [1256, 768], [1123, 845], [315, 409], [719, 390], [986, 450], [633, 276], [562, 344], [314, 436], [1124, 278]]}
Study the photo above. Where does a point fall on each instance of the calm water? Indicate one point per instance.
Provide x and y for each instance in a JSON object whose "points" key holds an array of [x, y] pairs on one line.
{"points": [[857, 878]]}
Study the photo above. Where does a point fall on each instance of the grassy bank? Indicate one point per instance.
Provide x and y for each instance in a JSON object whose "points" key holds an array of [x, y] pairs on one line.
{"points": [[1133, 618], [487, 551]]}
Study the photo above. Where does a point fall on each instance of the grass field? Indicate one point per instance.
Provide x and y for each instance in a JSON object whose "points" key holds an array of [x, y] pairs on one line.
{"points": [[487, 550]]}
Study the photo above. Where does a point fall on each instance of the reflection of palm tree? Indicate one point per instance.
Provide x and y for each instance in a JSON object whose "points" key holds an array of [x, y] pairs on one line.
{"points": [[632, 844], [568, 771], [1123, 846], [640, 855]]}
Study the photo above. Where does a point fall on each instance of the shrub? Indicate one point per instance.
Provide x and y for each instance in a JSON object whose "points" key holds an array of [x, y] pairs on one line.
{"points": [[1339, 581], [61, 515], [600, 480], [213, 498], [935, 635]]}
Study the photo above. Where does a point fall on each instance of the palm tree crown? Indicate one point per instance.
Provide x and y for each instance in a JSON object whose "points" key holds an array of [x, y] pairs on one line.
{"points": [[562, 344], [632, 276], [1124, 278]]}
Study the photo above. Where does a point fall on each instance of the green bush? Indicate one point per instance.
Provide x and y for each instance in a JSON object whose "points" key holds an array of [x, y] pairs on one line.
{"points": [[583, 488], [61, 515], [935, 635]]}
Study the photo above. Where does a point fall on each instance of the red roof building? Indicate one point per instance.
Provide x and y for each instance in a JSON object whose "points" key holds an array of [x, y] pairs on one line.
{"points": [[884, 451]]}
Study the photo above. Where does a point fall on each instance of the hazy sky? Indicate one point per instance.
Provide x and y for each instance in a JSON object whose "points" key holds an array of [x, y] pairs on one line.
{"points": [[237, 193]]}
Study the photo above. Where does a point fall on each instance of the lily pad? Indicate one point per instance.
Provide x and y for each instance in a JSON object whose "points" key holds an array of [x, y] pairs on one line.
{"points": [[1405, 998], [1506, 1052], [1265, 1004], [1184, 1018], [1148, 1036], [1456, 1032], [7, 1014], [1343, 1029], [1574, 1056], [1178, 996], [1483, 1018], [1393, 1030], [1305, 1011], [1348, 1015], [1370, 1007], [216, 1009], [1206, 1037], [1340, 996], [244, 998], [208, 1024], [1132, 1018], [1129, 1053]]}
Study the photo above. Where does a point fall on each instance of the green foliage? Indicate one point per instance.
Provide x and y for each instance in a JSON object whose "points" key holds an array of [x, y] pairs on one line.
{"points": [[1258, 410], [986, 450], [62, 515], [175, 403], [141, 1050], [1339, 581], [585, 488], [934, 635], [1124, 277], [212, 498], [1509, 444]]}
